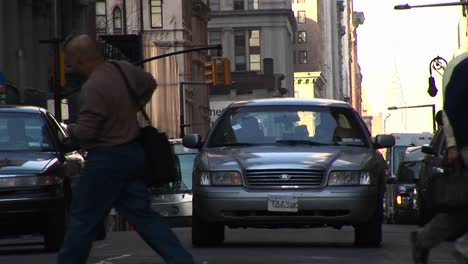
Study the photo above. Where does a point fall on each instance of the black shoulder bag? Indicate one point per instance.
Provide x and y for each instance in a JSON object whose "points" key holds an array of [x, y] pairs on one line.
{"points": [[160, 160]]}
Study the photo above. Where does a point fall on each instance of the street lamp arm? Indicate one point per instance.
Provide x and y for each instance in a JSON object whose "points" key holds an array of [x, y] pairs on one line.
{"points": [[407, 6], [417, 106], [410, 106], [209, 47]]}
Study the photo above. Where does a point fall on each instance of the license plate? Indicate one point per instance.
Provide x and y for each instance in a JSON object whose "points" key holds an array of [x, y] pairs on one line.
{"points": [[283, 204]]}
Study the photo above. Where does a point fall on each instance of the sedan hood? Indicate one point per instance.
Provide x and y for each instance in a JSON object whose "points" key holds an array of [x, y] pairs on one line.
{"points": [[26, 163], [300, 157]]}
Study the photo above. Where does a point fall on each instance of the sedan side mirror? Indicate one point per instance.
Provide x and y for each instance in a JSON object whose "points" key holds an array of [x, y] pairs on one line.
{"points": [[70, 145], [428, 150], [384, 141], [193, 141]]}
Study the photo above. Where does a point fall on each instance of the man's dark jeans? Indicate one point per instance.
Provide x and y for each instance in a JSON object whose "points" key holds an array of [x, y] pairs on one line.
{"points": [[109, 179]]}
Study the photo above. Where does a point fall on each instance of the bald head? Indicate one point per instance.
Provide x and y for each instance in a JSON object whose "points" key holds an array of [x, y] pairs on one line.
{"points": [[82, 54]]}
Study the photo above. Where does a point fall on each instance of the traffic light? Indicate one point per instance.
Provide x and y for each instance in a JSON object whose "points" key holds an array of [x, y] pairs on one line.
{"points": [[226, 71], [211, 72], [218, 71]]}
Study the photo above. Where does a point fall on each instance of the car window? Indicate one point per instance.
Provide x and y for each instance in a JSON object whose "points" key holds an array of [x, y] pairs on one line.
{"points": [[24, 132], [280, 124], [186, 168], [185, 158], [397, 153], [57, 129], [408, 171]]}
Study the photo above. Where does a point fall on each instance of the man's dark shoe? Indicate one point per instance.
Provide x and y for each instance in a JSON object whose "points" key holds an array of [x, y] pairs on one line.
{"points": [[420, 255]]}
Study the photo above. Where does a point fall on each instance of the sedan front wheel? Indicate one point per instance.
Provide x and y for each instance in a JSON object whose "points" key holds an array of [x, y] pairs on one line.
{"points": [[369, 234]]}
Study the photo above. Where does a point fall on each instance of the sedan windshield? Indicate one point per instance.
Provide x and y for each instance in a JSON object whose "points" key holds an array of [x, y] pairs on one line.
{"points": [[24, 132], [291, 125]]}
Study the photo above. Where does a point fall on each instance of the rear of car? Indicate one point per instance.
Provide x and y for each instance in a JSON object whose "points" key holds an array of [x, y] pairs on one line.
{"points": [[394, 156], [405, 196], [282, 163], [174, 200]]}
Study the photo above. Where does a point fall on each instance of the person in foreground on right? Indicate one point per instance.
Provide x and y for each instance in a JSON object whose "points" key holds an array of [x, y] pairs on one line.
{"points": [[451, 223]]}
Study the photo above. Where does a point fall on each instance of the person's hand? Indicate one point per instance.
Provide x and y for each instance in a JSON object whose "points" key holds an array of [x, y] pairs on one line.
{"points": [[452, 155]]}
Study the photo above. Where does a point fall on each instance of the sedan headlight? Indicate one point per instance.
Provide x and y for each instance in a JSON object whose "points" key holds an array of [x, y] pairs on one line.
{"points": [[28, 181], [349, 178], [220, 178]]}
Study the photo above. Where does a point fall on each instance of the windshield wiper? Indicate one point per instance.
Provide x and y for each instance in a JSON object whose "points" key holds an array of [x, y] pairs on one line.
{"points": [[299, 142]]}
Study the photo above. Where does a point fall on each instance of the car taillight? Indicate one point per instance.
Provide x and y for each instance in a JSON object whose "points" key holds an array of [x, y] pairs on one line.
{"points": [[28, 181], [398, 199]]}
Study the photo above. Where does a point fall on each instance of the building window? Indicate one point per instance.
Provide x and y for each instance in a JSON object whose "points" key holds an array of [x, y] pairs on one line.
{"points": [[254, 50], [247, 51], [238, 4], [302, 57], [117, 17], [253, 4], [302, 37], [101, 18], [156, 13], [215, 5], [301, 17], [214, 38]]}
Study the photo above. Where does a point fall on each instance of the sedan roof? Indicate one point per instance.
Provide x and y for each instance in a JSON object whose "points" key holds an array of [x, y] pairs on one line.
{"points": [[21, 109], [291, 101]]}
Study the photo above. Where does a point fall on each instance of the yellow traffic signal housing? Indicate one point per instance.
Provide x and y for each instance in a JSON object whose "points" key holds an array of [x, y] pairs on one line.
{"points": [[226, 71], [218, 71], [211, 72]]}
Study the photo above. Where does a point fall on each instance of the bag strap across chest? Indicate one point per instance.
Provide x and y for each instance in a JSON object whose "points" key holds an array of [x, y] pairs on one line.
{"points": [[131, 91]]}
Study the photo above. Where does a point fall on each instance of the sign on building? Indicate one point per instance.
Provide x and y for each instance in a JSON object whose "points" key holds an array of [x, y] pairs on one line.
{"points": [[216, 108]]}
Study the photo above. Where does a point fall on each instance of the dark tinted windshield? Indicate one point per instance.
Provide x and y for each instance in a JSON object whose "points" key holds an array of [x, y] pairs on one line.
{"points": [[287, 124], [408, 171], [397, 152], [24, 132]]}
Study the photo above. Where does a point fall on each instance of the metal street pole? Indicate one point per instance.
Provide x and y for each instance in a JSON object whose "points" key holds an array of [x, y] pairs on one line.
{"points": [[434, 126], [385, 123], [56, 47], [182, 104]]}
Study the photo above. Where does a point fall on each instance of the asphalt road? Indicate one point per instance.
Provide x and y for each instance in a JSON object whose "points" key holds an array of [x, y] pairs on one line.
{"points": [[272, 246]]}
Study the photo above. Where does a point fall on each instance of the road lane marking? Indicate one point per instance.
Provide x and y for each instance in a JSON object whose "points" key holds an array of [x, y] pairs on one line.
{"points": [[103, 245], [107, 261]]}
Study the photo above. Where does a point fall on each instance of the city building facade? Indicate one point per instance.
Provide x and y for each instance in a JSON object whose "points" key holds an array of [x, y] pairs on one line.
{"points": [[308, 50], [180, 104], [30, 35], [258, 38]]}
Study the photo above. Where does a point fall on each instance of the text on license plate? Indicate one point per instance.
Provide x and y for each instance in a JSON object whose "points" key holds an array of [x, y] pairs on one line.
{"points": [[283, 204]]}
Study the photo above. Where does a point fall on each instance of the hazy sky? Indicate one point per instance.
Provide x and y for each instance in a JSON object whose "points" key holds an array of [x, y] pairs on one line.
{"points": [[394, 52]]}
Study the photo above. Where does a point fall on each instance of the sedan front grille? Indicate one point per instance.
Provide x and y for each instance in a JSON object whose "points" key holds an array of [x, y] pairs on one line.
{"points": [[285, 177]]}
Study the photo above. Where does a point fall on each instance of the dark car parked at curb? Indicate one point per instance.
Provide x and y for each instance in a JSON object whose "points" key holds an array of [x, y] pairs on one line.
{"points": [[39, 169], [288, 163], [431, 166], [406, 209]]}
